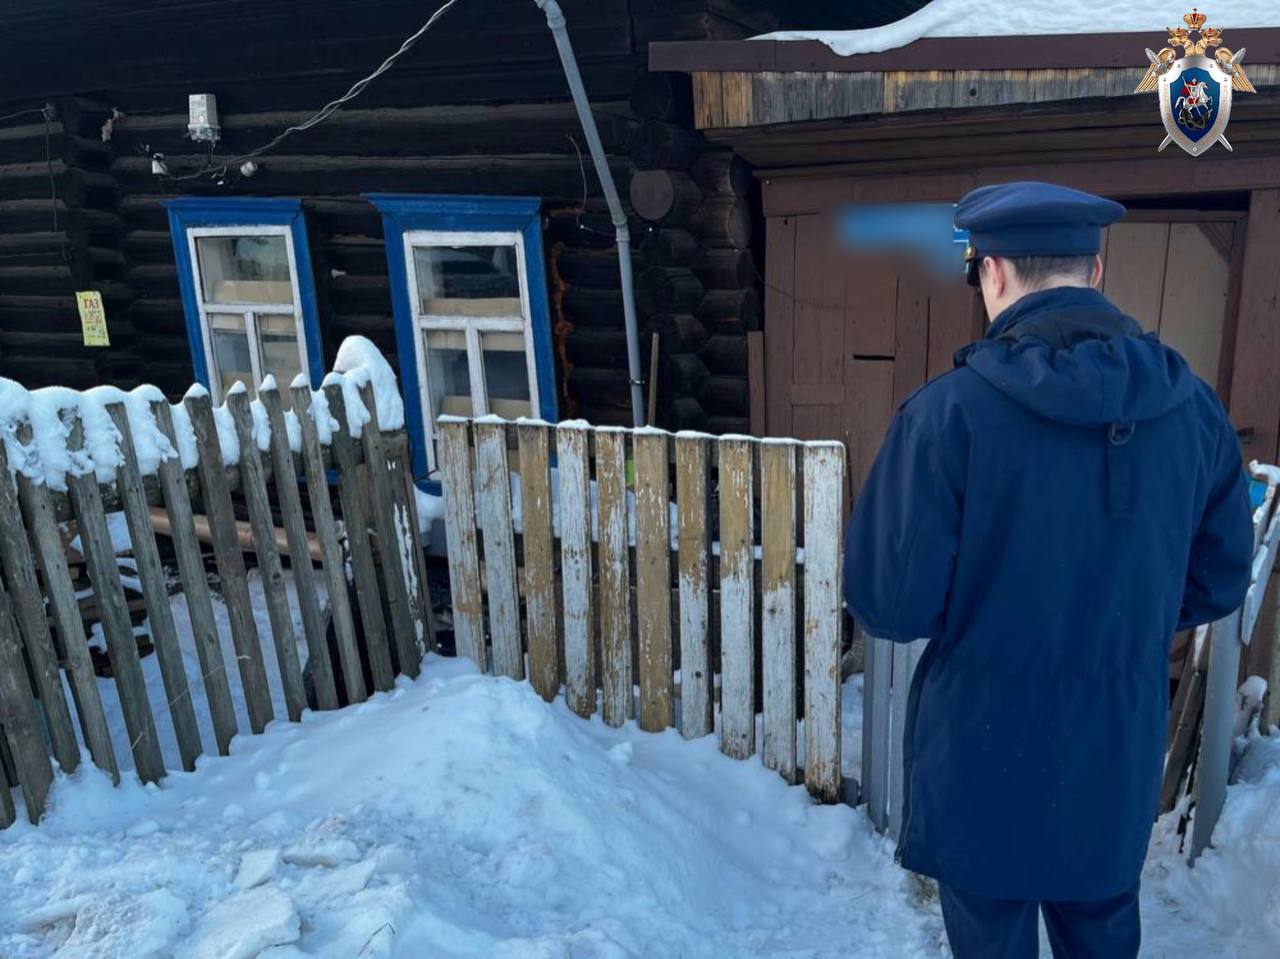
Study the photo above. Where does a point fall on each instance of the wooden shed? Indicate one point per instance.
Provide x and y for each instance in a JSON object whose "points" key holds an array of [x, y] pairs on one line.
{"points": [[1197, 257], [449, 213]]}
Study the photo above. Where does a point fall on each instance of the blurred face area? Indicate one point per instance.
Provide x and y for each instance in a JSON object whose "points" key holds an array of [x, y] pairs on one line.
{"points": [[1002, 287]]}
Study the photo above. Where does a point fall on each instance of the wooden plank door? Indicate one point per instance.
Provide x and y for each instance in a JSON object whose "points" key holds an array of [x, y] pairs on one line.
{"points": [[1172, 272], [849, 336]]}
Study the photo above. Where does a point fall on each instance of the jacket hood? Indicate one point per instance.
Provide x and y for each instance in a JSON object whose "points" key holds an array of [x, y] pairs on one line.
{"points": [[1072, 356]]}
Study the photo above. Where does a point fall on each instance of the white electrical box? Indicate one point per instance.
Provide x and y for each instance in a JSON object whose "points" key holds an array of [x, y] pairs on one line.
{"points": [[202, 118]]}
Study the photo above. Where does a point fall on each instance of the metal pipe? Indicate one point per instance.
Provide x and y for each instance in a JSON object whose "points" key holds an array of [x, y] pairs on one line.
{"points": [[556, 21]]}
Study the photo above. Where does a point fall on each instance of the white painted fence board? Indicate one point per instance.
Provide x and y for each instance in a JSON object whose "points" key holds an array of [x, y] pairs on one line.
{"points": [[778, 605], [575, 569], [493, 481], [823, 491], [460, 534], [696, 670], [737, 598]]}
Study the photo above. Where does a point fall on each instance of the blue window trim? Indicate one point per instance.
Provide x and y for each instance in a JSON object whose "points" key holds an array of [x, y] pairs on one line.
{"points": [[405, 212], [193, 212]]}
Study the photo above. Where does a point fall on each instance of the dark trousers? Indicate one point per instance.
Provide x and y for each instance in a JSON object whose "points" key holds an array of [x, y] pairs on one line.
{"points": [[980, 928]]}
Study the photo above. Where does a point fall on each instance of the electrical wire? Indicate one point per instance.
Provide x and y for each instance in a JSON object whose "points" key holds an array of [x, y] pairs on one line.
{"points": [[44, 111], [220, 168]]}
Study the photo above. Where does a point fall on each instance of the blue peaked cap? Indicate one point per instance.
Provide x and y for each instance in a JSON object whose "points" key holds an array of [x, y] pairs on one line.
{"points": [[1029, 218]]}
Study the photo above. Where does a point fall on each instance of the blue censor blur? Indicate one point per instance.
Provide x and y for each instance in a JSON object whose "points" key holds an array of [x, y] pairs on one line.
{"points": [[925, 231]]}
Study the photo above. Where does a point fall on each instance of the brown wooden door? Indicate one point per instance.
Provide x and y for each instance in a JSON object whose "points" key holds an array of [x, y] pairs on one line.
{"points": [[848, 337], [1172, 272]]}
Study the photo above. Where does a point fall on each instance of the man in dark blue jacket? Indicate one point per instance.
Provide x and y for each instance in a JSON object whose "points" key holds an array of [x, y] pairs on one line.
{"points": [[1048, 514]]}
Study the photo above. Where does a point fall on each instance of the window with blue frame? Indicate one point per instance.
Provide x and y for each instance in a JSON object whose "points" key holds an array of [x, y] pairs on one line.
{"points": [[244, 269], [468, 287]]}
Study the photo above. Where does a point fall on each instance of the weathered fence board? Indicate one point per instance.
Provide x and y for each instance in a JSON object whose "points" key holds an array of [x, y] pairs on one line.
{"points": [[824, 466], [253, 485], [155, 594], [460, 532], [18, 717], [38, 514], [355, 515], [614, 576], [539, 560], [778, 606], [693, 542], [408, 632], [575, 567], [625, 519], [295, 527], [122, 648], [216, 498], [20, 574], [737, 595], [204, 627], [331, 552], [493, 492], [7, 811], [653, 580]]}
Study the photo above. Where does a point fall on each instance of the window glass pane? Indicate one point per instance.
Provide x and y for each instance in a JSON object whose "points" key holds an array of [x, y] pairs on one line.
{"points": [[447, 373], [506, 374], [468, 280], [245, 269], [278, 335], [231, 362]]}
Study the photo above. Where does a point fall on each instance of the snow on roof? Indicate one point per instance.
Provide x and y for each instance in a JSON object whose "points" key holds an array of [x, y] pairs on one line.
{"points": [[987, 18]]}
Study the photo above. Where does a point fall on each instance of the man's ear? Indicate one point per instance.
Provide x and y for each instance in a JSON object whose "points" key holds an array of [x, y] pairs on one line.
{"points": [[995, 270], [1095, 279]]}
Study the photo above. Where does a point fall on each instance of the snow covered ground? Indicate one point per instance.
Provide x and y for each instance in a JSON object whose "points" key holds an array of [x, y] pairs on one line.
{"points": [[460, 816]]}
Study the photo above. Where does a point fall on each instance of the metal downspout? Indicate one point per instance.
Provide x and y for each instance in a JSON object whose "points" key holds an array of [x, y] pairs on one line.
{"points": [[556, 21]]}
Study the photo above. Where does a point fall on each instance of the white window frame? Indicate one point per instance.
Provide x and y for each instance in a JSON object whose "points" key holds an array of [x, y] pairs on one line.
{"points": [[250, 311], [471, 326]]}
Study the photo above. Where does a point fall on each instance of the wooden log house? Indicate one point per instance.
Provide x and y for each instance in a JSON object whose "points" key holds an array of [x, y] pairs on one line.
{"points": [[462, 173], [1197, 258]]}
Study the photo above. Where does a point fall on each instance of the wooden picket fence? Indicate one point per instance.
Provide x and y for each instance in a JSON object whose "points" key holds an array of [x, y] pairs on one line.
{"points": [[379, 510], [628, 587]]}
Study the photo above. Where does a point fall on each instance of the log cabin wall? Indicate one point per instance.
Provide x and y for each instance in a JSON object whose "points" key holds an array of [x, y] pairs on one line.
{"points": [[478, 107]]}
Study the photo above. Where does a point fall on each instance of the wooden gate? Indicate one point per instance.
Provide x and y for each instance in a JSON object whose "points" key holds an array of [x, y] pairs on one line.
{"points": [[40, 621], [644, 566]]}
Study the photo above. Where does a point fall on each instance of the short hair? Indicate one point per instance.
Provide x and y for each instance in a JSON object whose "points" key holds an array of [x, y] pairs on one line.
{"points": [[1035, 271]]}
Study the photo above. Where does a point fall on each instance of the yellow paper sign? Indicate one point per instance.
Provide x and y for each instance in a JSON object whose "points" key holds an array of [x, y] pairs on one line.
{"points": [[93, 318]]}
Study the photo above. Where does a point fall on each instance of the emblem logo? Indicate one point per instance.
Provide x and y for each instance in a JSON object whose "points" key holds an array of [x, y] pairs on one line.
{"points": [[1195, 89]]}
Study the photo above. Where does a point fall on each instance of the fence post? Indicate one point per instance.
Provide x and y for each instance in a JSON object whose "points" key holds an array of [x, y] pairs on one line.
{"points": [[823, 490]]}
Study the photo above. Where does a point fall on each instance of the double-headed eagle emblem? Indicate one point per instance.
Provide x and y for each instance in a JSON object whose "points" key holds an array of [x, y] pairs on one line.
{"points": [[1195, 89]]}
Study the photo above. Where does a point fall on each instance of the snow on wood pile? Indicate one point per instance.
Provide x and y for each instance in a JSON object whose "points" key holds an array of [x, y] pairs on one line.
{"points": [[45, 458], [985, 18]]}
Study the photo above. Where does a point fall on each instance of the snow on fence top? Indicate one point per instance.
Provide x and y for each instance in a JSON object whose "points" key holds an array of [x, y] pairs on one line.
{"points": [[987, 18], [35, 425]]}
